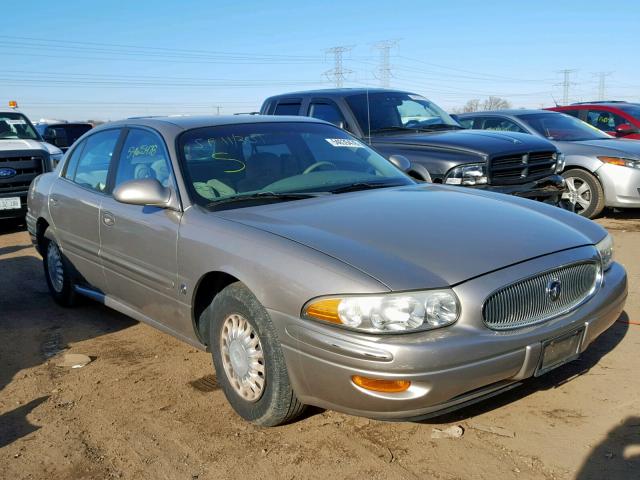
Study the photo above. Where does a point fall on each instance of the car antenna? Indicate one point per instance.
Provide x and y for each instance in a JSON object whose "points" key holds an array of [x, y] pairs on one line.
{"points": [[368, 117], [554, 100]]}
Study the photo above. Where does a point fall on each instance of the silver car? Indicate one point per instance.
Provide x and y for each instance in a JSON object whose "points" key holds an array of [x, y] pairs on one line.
{"points": [[317, 272], [600, 170]]}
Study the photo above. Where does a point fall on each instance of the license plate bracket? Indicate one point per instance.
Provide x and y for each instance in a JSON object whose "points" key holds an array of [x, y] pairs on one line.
{"points": [[10, 203], [560, 350]]}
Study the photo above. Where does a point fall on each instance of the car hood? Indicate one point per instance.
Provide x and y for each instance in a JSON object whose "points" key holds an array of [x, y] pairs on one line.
{"points": [[616, 147], [423, 236], [482, 142], [13, 144]]}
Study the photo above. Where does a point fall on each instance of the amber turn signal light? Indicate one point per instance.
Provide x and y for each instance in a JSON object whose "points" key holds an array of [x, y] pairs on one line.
{"points": [[377, 385], [326, 310], [614, 160]]}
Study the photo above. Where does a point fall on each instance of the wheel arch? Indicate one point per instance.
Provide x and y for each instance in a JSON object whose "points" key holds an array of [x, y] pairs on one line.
{"points": [[208, 286], [42, 225]]}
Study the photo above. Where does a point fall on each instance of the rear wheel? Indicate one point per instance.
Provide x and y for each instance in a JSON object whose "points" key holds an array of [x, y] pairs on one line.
{"points": [[584, 193], [57, 272], [248, 359]]}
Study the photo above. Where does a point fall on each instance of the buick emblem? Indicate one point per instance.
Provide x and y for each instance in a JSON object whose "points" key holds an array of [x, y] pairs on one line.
{"points": [[554, 287], [7, 172]]}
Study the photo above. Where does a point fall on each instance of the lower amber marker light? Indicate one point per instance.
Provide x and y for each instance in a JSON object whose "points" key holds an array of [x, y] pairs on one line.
{"points": [[378, 385]]}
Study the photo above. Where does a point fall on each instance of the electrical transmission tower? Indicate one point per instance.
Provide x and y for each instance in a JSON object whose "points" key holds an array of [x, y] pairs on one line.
{"points": [[338, 73], [602, 76], [384, 70], [566, 84]]}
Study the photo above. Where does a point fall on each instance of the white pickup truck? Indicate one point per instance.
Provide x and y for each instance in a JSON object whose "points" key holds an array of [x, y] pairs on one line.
{"points": [[23, 156]]}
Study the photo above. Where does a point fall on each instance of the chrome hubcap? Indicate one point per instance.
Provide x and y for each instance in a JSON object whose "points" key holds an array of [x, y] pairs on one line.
{"points": [[242, 357], [578, 194], [55, 267]]}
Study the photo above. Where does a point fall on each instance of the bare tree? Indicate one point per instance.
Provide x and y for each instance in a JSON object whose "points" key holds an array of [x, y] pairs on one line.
{"points": [[491, 103], [495, 103], [472, 105]]}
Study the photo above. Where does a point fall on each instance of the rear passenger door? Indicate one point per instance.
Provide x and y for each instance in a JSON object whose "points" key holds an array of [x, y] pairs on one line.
{"points": [[139, 242], [75, 199]]}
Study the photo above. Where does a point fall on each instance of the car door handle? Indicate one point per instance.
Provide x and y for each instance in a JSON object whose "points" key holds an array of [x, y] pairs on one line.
{"points": [[53, 201], [108, 219]]}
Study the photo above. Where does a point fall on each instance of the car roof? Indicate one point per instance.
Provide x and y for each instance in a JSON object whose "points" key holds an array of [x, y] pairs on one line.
{"points": [[338, 92], [513, 112], [187, 122]]}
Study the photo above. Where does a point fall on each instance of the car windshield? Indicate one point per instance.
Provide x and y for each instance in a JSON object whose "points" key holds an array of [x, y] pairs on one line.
{"points": [[633, 110], [554, 126], [266, 162], [15, 125], [382, 112]]}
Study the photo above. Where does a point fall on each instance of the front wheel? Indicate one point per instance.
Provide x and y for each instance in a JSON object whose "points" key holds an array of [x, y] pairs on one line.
{"points": [[584, 193], [248, 359]]}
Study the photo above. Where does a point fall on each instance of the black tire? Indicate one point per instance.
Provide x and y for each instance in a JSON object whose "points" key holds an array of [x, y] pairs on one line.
{"points": [[64, 293], [277, 403], [596, 199]]}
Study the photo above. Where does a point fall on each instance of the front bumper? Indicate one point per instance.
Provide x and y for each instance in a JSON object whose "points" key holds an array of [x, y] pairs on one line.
{"points": [[449, 367], [621, 185], [548, 189]]}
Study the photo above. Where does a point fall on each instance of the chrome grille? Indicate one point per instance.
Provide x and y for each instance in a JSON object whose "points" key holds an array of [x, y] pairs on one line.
{"points": [[528, 302]]}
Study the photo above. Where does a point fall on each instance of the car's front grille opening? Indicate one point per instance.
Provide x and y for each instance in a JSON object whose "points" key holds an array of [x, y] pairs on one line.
{"points": [[541, 297], [520, 168]]}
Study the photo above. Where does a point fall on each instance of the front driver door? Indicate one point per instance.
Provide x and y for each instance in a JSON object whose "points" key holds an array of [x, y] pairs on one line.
{"points": [[139, 242]]}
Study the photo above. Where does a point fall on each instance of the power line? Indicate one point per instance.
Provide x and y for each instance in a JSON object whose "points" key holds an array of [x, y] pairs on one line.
{"points": [[338, 72], [384, 70]]}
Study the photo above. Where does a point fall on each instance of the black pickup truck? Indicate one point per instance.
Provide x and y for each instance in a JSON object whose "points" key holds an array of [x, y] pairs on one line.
{"points": [[439, 150]]}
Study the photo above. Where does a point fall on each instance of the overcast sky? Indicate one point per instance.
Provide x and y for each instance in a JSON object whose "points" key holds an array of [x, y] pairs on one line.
{"points": [[106, 60]]}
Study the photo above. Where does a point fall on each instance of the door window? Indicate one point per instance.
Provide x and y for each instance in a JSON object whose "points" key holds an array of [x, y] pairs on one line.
{"points": [[327, 112], [287, 109], [501, 125], [93, 163], [143, 156], [604, 120]]}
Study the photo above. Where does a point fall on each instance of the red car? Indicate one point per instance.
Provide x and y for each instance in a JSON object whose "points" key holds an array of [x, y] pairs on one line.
{"points": [[619, 119]]}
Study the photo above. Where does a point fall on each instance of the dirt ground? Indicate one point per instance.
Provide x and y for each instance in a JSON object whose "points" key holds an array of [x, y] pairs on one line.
{"points": [[148, 406]]}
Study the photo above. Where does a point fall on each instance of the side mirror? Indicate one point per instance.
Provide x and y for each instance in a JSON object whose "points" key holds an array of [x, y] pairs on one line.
{"points": [[147, 191], [625, 129], [401, 162]]}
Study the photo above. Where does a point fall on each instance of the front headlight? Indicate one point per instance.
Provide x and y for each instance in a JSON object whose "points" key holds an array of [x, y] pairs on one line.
{"points": [[473, 174], [398, 312], [55, 159], [621, 161], [605, 249], [560, 162]]}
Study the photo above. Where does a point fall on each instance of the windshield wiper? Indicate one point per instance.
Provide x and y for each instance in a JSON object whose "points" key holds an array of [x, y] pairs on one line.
{"points": [[439, 126], [393, 128], [354, 187], [262, 196]]}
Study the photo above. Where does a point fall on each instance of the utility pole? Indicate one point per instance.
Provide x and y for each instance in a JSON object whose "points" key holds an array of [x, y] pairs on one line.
{"points": [[384, 70], [601, 84], [217, 107], [566, 84], [338, 72]]}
